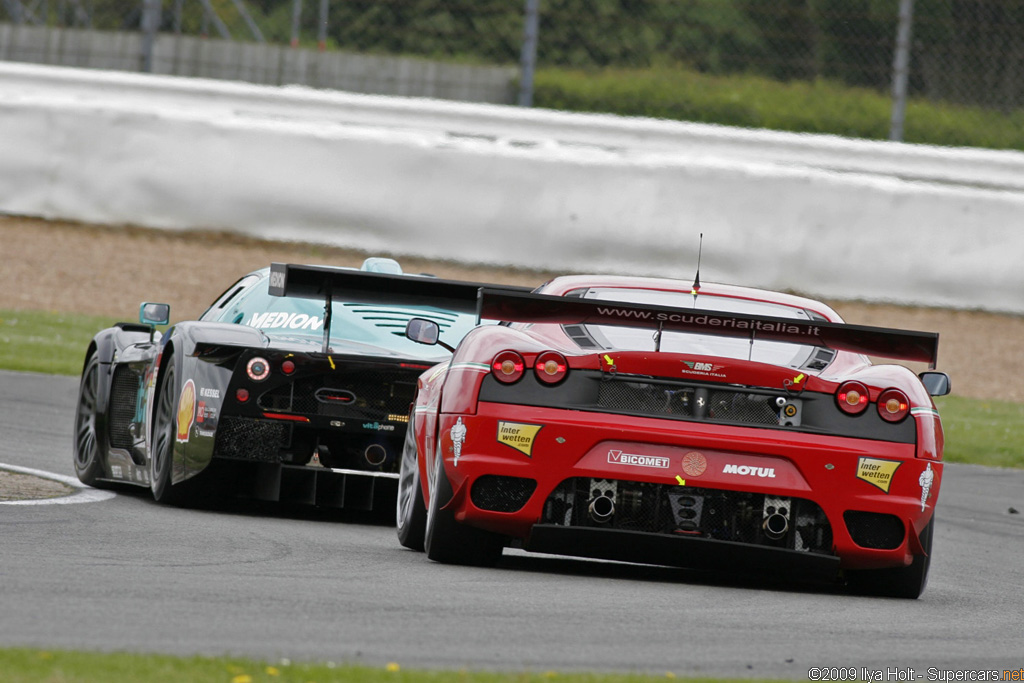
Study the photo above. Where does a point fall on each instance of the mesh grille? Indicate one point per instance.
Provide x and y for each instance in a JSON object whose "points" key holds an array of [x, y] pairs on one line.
{"points": [[701, 403], [124, 392], [501, 494], [243, 438], [374, 395], [735, 516], [874, 530]]}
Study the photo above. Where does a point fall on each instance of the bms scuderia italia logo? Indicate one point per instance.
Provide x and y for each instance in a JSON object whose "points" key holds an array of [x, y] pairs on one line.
{"points": [[703, 369]]}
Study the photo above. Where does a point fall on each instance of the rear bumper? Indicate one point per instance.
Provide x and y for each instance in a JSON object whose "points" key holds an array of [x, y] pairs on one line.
{"points": [[844, 514]]}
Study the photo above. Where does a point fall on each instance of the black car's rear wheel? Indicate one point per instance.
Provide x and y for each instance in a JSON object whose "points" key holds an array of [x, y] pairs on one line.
{"points": [[411, 515], [901, 582], [165, 428], [449, 541], [90, 444]]}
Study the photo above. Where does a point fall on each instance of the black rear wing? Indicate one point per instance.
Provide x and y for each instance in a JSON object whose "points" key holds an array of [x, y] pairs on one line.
{"points": [[321, 282], [874, 341], [329, 283]]}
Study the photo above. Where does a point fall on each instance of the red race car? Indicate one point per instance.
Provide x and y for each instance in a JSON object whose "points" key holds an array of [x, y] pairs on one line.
{"points": [[647, 420]]}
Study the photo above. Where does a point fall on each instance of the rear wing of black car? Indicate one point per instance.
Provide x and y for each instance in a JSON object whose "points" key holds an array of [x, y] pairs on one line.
{"points": [[873, 341], [330, 283]]}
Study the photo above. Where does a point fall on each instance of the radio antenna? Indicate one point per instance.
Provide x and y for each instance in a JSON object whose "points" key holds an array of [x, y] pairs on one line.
{"points": [[695, 290]]}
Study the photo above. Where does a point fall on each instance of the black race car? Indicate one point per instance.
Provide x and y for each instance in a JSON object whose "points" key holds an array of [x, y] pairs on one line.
{"points": [[295, 385]]}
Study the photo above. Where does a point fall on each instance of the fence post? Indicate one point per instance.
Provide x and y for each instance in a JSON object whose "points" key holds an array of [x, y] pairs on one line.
{"points": [[321, 35], [296, 19], [149, 24], [528, 57], [901, 70]]}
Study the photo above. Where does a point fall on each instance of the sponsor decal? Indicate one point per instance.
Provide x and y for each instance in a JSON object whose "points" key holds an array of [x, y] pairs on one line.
{"points": [[186, 410], [925, 481], [518, 436], [877, 472], [458, 436], [201, 412], [116, 472], [706, 320], [378, 427], [747, 471], [620, 458], [205, 392], [703, 369], [277, 279], [694, 464], [282, 320]]}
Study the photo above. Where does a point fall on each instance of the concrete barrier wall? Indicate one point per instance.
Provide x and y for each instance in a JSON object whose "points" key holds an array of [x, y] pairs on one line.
{"points": [[479, 183], [258, 63]]}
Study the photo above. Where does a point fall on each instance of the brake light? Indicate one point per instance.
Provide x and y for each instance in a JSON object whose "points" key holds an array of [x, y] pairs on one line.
{"points": [[551, 367], [288, 367], [852, 398], [893, 405], [507, 367]]}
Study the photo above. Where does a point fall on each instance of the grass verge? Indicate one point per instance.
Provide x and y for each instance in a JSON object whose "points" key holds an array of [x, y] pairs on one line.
{"points": [[23, 665], [977, 432]]}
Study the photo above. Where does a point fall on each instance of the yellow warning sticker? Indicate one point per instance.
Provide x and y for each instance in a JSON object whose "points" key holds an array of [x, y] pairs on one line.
{"points": [[518, 436], [877, 472]]}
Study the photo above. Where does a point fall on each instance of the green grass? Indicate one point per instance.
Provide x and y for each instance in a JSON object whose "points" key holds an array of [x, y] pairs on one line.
{"points": [[978, 432], [46, 666], [820, 106], [982, 432], [54, 343]]}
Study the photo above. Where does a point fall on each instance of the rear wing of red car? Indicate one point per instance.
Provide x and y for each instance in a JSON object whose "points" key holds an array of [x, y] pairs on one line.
{"points": [[904, 345]]}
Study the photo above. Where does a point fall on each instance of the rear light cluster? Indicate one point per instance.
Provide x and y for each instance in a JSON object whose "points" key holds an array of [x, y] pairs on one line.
{"points": [[550, 367], [852, 398], [258, 369]]}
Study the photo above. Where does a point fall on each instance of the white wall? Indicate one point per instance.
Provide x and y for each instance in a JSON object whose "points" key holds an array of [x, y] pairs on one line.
{"points": [[499, 185]]}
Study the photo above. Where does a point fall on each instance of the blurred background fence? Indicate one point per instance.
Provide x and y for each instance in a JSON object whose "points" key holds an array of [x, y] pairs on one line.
{"points": [[947, 72]]}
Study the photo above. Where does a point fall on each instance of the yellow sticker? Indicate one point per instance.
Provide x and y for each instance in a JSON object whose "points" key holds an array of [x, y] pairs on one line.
{"points": [[877, 472], [518, 436]]}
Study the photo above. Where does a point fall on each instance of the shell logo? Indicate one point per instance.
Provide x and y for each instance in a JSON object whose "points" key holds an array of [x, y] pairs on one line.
{"points": [[186, 410]]}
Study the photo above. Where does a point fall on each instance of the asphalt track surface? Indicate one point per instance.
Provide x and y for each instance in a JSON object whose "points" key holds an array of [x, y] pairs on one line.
{"points": [[126, 574]]}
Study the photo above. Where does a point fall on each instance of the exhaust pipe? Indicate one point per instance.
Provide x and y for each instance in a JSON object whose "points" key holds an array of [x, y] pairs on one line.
{"points": [[775, 526], [601, 509], [375, 455]]}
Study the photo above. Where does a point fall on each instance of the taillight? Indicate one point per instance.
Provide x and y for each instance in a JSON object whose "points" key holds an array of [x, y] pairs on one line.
{"points": [[852, 398], [893, 405], [242, 395], [551, 367], [258, 369], [288, 367], [507, 367]]}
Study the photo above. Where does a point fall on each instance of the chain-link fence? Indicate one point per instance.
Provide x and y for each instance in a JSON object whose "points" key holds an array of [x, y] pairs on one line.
{"points": [[953, 64]]}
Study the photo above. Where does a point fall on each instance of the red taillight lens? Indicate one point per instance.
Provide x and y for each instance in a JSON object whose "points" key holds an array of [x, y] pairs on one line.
{"points": [[893, 405], [852, 398], [288, 367], [551, 367], [242, 395], [507, 367]]}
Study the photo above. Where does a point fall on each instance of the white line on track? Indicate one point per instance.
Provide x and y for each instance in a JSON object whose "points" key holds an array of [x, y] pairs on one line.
{"points": [[84, 494]]}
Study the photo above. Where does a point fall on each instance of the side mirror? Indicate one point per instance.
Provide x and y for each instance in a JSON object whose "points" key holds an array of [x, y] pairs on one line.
{"points": [[154, 314], [936, 383], [423, 331]]}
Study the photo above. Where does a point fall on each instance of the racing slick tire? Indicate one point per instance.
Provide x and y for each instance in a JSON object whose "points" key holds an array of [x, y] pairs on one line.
{"points": [[900, 582], [90, 441], [450, 542], [165, 426], [411, 513]]}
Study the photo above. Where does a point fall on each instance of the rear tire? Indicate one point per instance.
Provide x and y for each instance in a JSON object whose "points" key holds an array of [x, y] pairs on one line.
{"points": [[449, 541], [165, 428], [90, 445], [411, 513], [900, 582]]}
